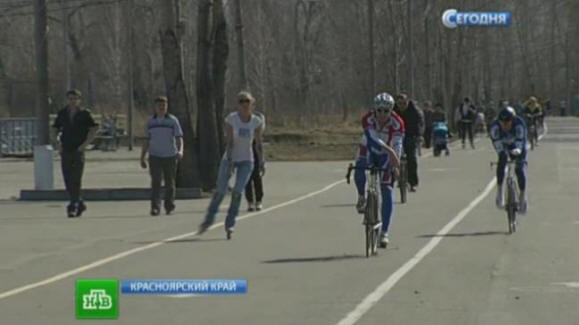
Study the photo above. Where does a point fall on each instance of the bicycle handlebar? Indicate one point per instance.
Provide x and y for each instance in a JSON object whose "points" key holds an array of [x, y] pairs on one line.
{"points": [[510, 161], [351, 167]]}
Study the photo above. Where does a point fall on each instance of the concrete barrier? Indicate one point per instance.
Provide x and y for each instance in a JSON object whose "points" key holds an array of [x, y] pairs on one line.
{"points": [[117, 194]]}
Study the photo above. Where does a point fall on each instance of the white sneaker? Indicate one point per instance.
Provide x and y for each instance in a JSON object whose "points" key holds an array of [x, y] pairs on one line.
{"points": [[250, 207], [258, 206], [384, 240], [523, 203], [500, 199], [361, 205]]}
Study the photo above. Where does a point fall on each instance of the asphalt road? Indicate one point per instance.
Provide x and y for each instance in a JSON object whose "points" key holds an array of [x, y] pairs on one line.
{"points": [[449, 262]]}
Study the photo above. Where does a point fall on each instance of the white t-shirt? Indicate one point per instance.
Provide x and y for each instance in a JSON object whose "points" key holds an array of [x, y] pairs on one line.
{"points": [[243, 134]]}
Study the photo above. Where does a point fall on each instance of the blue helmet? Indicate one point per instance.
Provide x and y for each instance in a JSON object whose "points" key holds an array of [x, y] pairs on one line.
{"points": [[508, 113]]}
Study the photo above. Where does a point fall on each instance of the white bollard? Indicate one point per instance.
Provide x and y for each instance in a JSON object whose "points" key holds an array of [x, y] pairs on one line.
{"points": [[43, 168]]}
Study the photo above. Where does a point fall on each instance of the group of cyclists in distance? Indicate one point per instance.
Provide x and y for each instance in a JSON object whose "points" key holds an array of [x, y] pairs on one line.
{"points": [[395, 128]]}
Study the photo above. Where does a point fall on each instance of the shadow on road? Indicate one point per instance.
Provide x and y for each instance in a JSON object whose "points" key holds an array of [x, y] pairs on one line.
{"points": [[467, 234], [339, 205], [314, 259]]}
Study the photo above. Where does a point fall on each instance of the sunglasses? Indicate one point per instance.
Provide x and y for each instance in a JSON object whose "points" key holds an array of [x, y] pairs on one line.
{"points": [[243, 101], [383, 110]]}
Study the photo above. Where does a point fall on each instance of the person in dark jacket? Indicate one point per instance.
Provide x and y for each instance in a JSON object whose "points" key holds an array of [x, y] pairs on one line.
{"points": [[466, 115], [254, 187], [414, 125], [74, 129]]}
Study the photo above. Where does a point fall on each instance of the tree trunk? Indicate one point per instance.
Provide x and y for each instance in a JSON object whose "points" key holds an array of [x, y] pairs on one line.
{"points": [[371, 48], [220, 55], [187, 174], [208, 137], [240, 46]]}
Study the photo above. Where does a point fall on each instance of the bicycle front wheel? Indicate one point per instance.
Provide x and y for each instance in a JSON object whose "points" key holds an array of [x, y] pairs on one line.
{"points": [[370, 220], [511, 208]]}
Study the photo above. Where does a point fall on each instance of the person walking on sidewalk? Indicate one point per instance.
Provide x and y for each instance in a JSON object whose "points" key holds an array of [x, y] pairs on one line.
{"points": [[242, 128], [74, 129], [254, 188], [466, 115], [164, 144]]}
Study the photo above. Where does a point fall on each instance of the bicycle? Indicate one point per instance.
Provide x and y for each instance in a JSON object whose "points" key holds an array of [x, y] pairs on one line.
{"points": [[372, 222], [403, 178], [512, 201], [532, 120]]}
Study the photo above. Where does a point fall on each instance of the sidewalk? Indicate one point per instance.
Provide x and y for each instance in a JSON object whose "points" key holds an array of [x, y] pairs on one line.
{"points": [[118, 169]]}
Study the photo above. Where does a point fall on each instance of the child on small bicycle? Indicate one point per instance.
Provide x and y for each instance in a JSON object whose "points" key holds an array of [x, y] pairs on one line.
{"points": [[440, 137]]}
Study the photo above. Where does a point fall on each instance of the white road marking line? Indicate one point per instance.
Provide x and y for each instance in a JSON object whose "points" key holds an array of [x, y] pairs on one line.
{"points": [[439, 169], [574, 285], [374, 297], [121, 255]]}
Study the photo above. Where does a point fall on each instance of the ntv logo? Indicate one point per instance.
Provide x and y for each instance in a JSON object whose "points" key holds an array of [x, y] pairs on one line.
{"points": [[97, 300], [452, 18]]}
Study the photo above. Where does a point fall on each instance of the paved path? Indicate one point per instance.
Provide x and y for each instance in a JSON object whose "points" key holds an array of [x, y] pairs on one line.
{"points": [[450, 261]]}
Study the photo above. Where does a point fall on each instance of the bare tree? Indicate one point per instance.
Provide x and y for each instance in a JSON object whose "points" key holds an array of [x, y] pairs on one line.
{"points": [[240, 46], [220, 55], [206, 114], [170, 34]]}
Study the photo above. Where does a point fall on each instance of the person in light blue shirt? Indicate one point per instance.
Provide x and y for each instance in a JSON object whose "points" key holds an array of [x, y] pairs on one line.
{"points": [[164, 144]]}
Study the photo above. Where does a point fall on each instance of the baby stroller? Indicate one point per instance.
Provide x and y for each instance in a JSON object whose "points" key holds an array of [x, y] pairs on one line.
{"points": [[440, 137]]}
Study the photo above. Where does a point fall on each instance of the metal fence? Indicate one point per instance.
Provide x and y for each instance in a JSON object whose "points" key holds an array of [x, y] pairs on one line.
{"points": [[17, 136]]}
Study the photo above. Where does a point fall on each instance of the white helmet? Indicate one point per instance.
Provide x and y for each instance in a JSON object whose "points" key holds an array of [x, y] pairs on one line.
{"points": [[384, 100]]}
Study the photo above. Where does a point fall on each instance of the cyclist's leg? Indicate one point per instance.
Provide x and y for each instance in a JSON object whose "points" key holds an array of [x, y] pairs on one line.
{"points": [[387, 210], [387, 205], [500, 199], [360, 174], [521, 171], [503, 158]]}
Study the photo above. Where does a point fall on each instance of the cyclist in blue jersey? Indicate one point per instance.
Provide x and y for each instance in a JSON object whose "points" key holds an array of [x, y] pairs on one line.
{"points": [[509, 136], [381, 145]]}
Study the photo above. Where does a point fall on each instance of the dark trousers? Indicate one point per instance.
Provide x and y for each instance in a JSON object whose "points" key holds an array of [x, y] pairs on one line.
{"points": [[411, 159], [427, 137], [72, 164], [255, 183], [464, 128], [163, 169], [520, 169]]}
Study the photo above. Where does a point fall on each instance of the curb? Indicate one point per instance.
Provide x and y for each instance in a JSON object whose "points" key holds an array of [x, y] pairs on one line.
{"points": [[118, 194]]}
